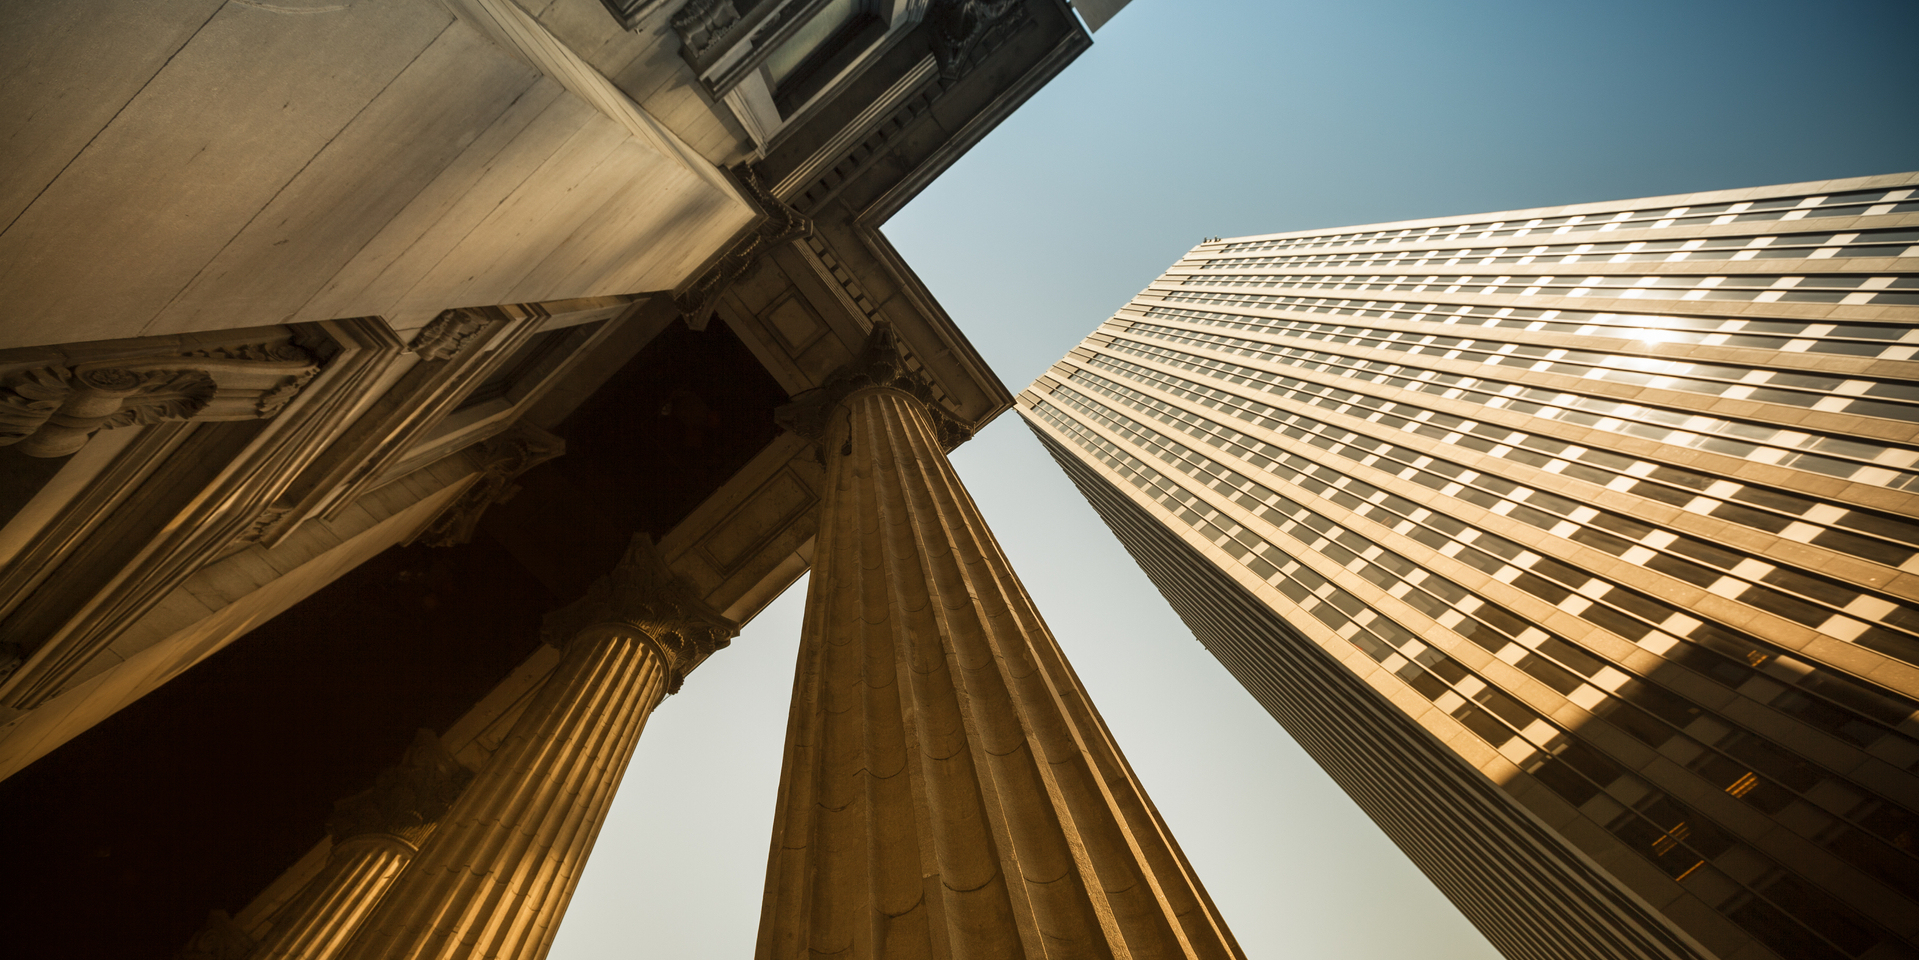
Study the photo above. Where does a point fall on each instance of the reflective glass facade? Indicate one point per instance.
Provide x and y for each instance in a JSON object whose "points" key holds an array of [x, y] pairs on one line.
{"points": [[1596, 586]]}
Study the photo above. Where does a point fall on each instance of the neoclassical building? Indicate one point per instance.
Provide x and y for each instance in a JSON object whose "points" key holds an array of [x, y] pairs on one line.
{"points": [[399, 398]]}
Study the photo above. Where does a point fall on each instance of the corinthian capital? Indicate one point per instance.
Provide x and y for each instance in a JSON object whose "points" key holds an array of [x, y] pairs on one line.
{"points": [[406, 799], [643, 595], [880, 363]]}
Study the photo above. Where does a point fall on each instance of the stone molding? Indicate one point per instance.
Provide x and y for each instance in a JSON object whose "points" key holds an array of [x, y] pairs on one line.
{"points": [[53, 409], [778, 224], [880, 364], [403, 430], [504, 458], [103, 562], [406, 799], [643, 595]]}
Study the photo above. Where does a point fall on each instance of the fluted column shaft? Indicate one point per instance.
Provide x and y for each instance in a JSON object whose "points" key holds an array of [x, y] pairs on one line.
{"points": [[949, 790], [317, 924], [493, 880]]}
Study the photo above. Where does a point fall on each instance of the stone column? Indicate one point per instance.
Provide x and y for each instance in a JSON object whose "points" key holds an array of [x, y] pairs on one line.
{"points": [[375, 833], [949, 790], [494, 879]]}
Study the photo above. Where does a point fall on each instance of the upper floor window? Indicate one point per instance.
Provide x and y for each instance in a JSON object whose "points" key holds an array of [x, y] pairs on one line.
{"points": [[771, 60], [821, 50]]}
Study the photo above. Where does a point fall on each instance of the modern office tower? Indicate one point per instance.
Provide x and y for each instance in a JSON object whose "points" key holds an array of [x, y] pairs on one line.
{"points": [[1577, 544]]}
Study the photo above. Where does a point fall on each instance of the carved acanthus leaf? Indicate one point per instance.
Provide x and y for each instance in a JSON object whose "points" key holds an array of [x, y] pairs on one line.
{"points": [[521, 448], [642, 594], [406, 799], [448, 334], [880, 363], [28, 398], [157, 394]]}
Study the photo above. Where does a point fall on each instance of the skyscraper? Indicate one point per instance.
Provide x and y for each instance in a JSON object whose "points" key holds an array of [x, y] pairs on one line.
{"points": [[1577, 544]]}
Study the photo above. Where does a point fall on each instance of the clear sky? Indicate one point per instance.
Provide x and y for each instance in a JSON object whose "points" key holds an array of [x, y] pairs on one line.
{"points": [[1192, 118]]}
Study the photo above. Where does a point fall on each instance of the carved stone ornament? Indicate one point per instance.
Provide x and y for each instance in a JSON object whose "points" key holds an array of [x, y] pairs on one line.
{"points": [[964, 31], [781, 224], [701, 23], [879, 364], [448, 334], [642, 594], [218, 939], [261, 525], [406, 799], [53, 410], [521, 448]]}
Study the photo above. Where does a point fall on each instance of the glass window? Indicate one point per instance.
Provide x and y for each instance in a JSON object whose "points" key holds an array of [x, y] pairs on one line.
{"points": [[818, 51]]}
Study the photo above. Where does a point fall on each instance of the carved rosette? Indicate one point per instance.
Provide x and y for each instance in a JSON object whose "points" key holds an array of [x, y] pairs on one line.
{"points": [[642, 595], [781, 224], [521, 448], [448, 334], [406, 799], [880, 363]]}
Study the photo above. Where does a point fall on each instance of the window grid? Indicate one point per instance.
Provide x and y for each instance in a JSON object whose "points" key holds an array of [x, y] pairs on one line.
{"points": [[1710, 495], [1500, 632], [1786, 336], [1618, 609], [1659, 828], [1821, 603], [1887, 399], [1810, 246], [1853, 203], [1846, 288], [1875, 463]]}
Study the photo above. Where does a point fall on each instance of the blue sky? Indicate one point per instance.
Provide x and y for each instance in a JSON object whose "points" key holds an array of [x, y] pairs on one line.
{"points": [[1191, 118]]}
